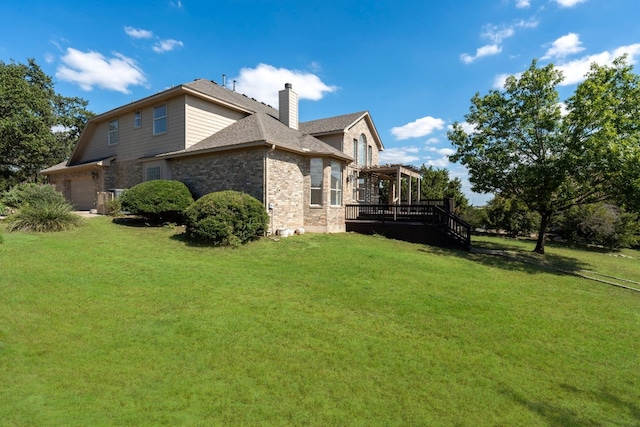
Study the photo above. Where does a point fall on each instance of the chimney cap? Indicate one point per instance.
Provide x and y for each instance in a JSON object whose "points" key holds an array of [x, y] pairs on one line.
{"points": [[288, 86]]}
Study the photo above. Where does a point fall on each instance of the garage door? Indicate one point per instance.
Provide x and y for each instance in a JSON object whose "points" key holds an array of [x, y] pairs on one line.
{"points": [[83, 194]]}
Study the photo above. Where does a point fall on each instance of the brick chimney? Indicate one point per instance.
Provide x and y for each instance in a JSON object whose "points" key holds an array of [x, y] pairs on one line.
{"points": [[288, 106]]}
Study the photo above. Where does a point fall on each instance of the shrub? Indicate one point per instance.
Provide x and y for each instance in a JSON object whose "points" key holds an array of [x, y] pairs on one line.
{"points": [[226, 218], [113, 207], [32, 194], [44, 216], [600, 224], [4, 211], [511, 216], [157, 201]]}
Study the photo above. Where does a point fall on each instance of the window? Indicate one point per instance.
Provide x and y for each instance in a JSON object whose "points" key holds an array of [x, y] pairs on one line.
{"points": [[362, 151], [152, 172], [336, 183], [316, 172], [113, 132], [355, 150], [361, 189], [137, 119], [370, 156], [159, 119]]}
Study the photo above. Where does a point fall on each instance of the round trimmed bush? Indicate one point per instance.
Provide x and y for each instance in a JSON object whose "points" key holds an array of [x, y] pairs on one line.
{"points": [[226, 218], [157, 201]]}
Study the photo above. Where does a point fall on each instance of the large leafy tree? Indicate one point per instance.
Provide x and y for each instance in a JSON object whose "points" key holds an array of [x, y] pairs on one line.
{"points": [[38, 127], [524, 146]]}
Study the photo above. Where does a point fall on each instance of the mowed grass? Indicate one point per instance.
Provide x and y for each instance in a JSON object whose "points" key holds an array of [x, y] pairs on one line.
{"points": [[116, 325]]}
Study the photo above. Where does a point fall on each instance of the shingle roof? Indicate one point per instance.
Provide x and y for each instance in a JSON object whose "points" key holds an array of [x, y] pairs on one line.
{"points": [[261, 128], [212, 89], [331, 124]]}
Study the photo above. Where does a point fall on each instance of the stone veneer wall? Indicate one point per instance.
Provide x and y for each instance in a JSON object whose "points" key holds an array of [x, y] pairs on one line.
{"points": [[325, 218], [122, 174], [240, 170], [287, 180]]}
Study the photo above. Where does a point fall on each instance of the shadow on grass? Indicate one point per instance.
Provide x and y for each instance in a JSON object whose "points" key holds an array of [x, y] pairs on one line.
{"points": [[514, 258], [621, 405], [555, 415], [138, 221]]}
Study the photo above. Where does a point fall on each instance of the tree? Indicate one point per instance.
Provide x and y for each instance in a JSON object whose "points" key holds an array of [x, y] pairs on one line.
{"points": [[437, 184], [599, 224], [38, 127], [510, 215], [524, 147]]}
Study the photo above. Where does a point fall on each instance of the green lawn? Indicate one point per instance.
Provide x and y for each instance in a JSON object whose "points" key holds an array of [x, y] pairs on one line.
{"points": [[117, 325]]}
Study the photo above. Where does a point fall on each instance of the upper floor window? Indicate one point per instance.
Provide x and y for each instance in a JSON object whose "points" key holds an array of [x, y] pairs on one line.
{"points": [[137, 119], [370, 156], [362, 151], [316, 172], [113, 132], [336, 183], [160, 119]]}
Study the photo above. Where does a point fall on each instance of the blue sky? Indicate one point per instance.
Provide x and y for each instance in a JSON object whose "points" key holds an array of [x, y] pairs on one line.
{"points": [[414, 65]]}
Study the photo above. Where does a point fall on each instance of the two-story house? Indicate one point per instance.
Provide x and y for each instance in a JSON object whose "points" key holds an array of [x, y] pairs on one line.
{"points": [[213, 138]]}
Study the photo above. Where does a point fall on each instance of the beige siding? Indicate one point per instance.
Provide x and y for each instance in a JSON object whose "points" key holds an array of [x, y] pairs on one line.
{"points": [[134, 143], [204, 119]]}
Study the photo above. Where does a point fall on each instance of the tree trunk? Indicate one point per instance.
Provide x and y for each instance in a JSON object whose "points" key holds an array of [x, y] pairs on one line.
{"points": [[545, 217]]}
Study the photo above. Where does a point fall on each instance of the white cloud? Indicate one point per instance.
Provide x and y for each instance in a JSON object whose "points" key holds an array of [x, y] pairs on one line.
{"points": [[488, 50], [531, 23], [265, 81], [442, 151], [468, 128], [138, 33], [523, 4], [496, 35], [569, 3], [443, 159], [441, 162], [92, 69], [575, 71], [564, 46], [418, 128], [399, 155], [432, 141], [49, 58], [167, 45], [500, 79]]}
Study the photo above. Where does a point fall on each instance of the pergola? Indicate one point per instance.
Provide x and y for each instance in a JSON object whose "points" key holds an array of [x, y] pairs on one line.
{"points": [[395, 174]]}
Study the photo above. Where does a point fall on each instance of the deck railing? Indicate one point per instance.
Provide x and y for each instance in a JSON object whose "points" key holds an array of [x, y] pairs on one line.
{"points": [[424, 213]]}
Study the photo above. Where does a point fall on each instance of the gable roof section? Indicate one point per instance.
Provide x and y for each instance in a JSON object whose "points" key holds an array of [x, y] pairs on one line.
{"points": [[340, 124], [261, 129]]}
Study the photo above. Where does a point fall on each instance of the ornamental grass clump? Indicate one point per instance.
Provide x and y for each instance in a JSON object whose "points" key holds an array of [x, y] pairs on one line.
{"points": [[157, 201], [43, 210], [226, 218]]}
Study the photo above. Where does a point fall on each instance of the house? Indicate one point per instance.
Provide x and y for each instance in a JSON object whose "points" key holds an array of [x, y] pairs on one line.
{"points": [[213, 138]]}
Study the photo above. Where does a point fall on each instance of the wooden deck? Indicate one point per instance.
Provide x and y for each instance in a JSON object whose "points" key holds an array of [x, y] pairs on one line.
{"points": [[429, 222]]}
